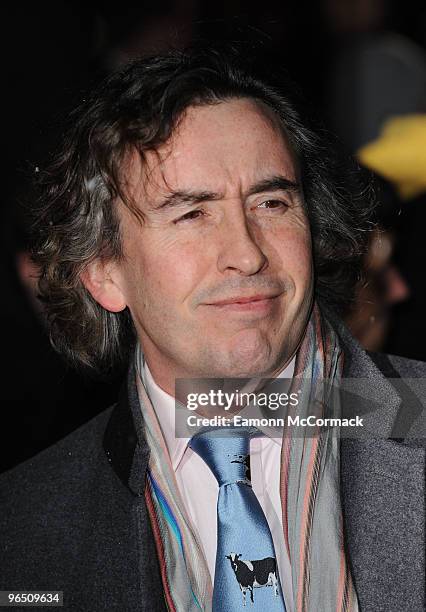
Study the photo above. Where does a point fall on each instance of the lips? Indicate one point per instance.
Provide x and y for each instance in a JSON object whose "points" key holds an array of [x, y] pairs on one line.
{"points": [[243, 300]]}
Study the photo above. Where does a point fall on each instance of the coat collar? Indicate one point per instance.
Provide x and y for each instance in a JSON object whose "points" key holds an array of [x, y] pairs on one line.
{"points": [[124, 439]]}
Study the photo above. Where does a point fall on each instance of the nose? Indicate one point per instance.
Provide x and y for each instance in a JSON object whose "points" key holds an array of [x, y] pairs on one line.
{"points": [[240, 251]]}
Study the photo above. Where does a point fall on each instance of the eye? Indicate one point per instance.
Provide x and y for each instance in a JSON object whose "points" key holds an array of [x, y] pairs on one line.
{"points": [[190, 216], [273, 204]]}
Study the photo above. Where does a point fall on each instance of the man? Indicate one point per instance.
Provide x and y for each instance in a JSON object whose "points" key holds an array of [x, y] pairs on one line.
{"points": [[194, 221]]}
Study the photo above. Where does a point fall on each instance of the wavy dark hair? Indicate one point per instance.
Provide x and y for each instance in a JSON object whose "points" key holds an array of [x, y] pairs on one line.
{"points": [[138, 108]]}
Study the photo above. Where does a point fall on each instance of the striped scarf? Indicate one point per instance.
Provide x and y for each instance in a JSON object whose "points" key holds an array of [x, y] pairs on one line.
{"points": [[309, 489]]}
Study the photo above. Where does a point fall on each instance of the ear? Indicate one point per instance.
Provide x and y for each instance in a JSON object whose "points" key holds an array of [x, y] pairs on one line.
{"points": [[100, 280]]}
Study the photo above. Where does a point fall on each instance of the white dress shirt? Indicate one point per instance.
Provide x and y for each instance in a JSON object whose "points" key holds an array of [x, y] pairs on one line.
{"points": [[199, 487]]}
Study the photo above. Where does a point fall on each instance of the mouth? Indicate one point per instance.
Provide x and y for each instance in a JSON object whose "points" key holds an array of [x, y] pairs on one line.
{"points": [[255, 303]]}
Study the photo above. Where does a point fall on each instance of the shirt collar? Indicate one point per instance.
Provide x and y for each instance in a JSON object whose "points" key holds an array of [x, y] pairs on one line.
{"points": [[164, 406]]}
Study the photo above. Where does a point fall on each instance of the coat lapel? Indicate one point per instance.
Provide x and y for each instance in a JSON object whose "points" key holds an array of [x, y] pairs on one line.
{"points": [[127, 451], [383, 501]]}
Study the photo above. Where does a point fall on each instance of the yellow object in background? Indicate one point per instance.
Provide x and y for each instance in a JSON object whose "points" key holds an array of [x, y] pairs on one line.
{"points": [[399, 154]]}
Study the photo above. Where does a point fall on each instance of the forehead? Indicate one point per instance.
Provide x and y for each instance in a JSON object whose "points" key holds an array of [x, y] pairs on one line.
{"points": [[224, 146]]}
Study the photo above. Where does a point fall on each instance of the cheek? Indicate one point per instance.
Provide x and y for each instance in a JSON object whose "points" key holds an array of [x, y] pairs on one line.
{"points": [[303, 264], [173, 274], [295, 253]]}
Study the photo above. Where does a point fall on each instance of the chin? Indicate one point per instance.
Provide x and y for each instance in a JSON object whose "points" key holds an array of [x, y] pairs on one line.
{"points": [[248, 353]]}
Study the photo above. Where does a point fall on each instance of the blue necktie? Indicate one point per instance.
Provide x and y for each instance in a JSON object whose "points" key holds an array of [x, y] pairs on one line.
{"points": [[246, 568]]}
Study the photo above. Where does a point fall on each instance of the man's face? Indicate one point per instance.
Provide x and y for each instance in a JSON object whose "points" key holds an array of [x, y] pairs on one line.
{"points": [[218, 276]]}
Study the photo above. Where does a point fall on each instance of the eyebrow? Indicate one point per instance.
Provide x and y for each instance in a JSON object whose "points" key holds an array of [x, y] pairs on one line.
{"points": [[179, 197]]}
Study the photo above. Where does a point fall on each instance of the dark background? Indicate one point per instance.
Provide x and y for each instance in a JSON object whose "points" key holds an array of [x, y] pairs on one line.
{"points": [[53, 51]]}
